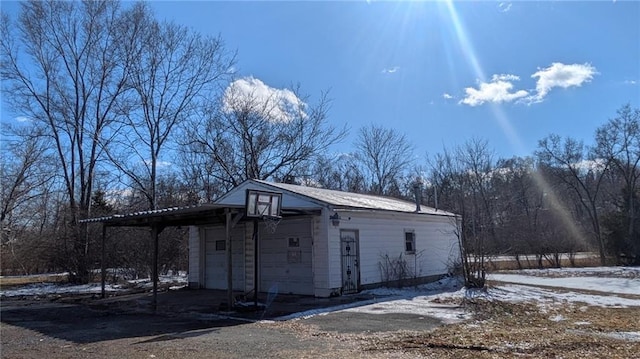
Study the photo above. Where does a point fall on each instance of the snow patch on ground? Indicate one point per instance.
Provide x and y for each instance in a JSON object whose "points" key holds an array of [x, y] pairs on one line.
{"points": [[598, 284], [420, 300], [427, 299], [624, 336], [557, 318], [40, 289], [616, 272], [522, 293], [627, 336]]}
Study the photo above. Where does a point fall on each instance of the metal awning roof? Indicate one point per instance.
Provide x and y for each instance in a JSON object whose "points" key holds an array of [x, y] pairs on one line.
{"points": [[174, 216], [202, 214]]}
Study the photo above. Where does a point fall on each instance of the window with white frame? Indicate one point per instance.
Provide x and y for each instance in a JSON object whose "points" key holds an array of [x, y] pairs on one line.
{"points": [[409, 241]]}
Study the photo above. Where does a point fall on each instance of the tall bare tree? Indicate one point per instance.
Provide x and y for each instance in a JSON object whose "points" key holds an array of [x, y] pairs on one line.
{"points": [[252, 135], [386, 155], [581, 173], [618, 142], [175, 70], [464, 179], [64, 69]]}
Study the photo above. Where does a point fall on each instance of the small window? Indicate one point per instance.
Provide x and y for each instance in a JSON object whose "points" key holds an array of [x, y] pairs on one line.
{"points": [[410, 242], [294, 242], [221, 245]]}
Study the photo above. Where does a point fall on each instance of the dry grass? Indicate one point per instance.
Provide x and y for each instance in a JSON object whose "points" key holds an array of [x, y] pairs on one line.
{"points": [[497, 265], [506, 330], [7, 282]]}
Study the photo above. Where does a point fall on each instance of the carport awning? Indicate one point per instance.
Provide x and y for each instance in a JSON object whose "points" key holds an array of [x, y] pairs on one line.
{"points": [[157, 220], [175, 216], [211, 214]]}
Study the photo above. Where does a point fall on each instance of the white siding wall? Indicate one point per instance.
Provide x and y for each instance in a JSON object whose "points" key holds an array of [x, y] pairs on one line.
{"points": [[238, 197], [383, 234], [194, 257], [333, 249], [322, 286]]}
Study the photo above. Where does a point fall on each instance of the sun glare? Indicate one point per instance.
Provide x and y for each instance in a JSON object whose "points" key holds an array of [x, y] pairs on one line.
{"points": [[501, 118]]}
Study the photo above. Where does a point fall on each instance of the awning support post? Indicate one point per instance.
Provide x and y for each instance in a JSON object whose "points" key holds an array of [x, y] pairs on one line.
{"points": [[156, 229], [255, 263], [103, 266], [227, 227]]}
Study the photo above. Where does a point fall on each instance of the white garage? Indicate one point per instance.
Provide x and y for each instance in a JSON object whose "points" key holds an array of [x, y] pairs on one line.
{"points": [[326, 243]]}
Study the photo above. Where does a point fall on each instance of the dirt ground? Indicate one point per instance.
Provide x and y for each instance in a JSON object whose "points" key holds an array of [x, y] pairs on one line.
{"points": [[188, 325]]}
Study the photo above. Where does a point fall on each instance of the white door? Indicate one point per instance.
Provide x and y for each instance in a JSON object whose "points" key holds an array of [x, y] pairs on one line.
{"points": [[286, 258], [216, 258]]}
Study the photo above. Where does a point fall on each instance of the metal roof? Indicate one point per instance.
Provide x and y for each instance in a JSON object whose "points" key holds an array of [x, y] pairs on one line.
{"points": [[187, 215], [356, 201], [212, 213]]}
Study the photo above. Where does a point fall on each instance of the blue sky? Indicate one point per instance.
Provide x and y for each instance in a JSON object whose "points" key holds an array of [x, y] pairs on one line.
{"points": [[393, 63], [439, 72]]}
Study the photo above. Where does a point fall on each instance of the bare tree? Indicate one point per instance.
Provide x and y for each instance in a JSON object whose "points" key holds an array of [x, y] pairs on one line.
{"points": [[463, 178], [582, 174], [26, 179], [385, 154], [64, 69], [252, 135], [25, 173], [174, 72], [340, 172], [618, 142]]}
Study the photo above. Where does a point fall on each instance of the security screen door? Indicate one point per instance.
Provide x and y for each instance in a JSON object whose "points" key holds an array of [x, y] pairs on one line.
{"points": [[349, 252]]}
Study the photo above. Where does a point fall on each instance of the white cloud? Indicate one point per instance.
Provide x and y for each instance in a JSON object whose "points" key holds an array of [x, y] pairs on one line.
{"points": [[504, 6], [498, 90], [391, 70], [446, 96], [591, 165], [630, 82], [159, 164], [279, 105], [505, 77], [23, 119], [561, 75]]}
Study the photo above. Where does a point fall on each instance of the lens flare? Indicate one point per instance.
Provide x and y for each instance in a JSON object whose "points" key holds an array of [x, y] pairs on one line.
{"points": [[505, 125]]}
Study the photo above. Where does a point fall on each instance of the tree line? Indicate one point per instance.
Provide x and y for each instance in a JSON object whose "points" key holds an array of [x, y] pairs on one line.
{"points": [[108, 93]]}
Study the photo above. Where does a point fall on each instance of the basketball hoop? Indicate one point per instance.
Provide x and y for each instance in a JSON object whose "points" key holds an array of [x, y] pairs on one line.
{"points": [[266, 206], [271, 222]]}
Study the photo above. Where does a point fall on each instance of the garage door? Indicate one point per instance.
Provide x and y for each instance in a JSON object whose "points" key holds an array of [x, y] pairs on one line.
{"points": [[216, 258], [286, 258]]}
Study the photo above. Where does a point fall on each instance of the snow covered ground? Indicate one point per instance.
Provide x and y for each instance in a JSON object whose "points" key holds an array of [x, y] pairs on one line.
{"points": [[40, 289], [600, 286]]}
